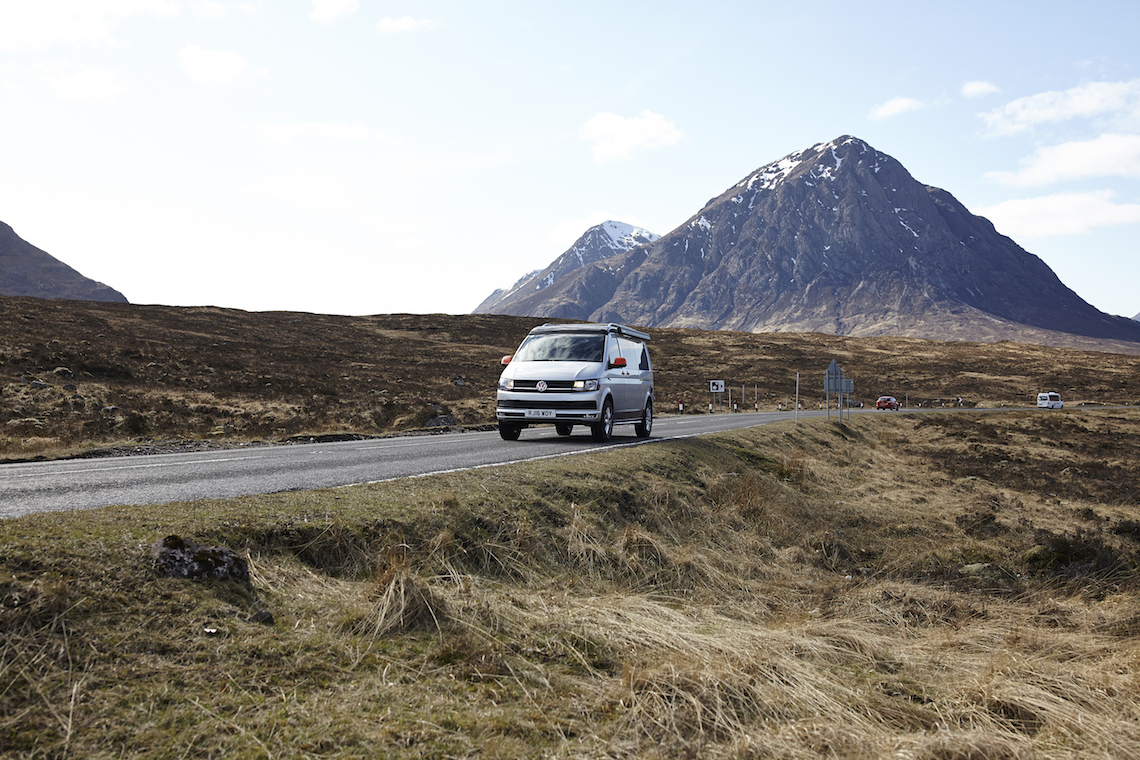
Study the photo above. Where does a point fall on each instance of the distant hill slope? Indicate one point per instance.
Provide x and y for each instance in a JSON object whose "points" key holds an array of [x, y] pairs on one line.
{"points": [[597, 243], [27, 271], [837, 238]]}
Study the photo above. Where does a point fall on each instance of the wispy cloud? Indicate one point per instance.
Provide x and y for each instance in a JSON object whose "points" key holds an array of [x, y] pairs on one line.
{"points": [[82, 84], [979, 89], [208, 9], [1084, 102], [1060, 214], [284, 133], [312, 192], [211, 66], [1104, 156], [404, 24], [39, 25], [895, 107], [328, 11], [615, 137]]}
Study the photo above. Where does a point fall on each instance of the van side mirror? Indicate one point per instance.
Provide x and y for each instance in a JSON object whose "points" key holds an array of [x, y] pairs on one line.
{"points": [[618, 362], [506, 359]]}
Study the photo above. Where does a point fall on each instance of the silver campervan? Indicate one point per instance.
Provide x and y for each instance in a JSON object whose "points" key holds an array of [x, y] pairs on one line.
{"points": [[593, 375]]}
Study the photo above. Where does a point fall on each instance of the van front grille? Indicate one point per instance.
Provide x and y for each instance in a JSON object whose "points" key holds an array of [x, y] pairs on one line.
{"points": [[551, 385]]}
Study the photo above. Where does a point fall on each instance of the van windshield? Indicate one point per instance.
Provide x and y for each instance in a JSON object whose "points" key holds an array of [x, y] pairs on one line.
{"points": [[562, 348]]}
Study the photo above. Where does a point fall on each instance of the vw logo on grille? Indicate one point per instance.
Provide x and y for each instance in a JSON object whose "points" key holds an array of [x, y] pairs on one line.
{"points": [[541, 386]]}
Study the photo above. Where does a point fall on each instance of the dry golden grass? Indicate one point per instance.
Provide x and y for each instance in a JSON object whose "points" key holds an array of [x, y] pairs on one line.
{"points": [[809, 591]]}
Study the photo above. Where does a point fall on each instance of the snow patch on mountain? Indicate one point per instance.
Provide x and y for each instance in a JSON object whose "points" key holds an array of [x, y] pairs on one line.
{"points": [[770, 176], [610, 238], [626, 236]]}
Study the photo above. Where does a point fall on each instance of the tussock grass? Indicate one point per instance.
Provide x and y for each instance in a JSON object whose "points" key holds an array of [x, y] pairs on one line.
{"points": [[789, 591]]}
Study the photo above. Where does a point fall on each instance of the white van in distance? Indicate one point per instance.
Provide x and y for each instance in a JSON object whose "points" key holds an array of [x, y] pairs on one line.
{"points": [[593, 375], [1049, 401]]}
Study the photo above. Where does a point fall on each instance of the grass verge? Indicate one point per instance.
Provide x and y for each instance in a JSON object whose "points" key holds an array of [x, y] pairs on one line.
{"points": [[923, 586]]}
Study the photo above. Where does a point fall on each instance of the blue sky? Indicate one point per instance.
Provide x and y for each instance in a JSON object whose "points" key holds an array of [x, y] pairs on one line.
{"points": [[366, 156]]}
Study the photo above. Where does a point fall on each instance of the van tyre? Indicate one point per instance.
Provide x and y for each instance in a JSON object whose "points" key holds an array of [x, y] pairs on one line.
{"points": [[604, 429], [509, 432], [645, 427]]}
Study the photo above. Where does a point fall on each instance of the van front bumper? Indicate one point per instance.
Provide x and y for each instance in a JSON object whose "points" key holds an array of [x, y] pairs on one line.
{"points": [[539, 407]]}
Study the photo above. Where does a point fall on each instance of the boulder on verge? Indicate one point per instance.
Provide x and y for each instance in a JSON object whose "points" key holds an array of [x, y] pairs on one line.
{"points": [[177, 557]]}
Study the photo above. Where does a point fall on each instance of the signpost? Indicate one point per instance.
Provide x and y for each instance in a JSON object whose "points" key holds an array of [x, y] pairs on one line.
{"points": [[835, 382], [716, 387]]}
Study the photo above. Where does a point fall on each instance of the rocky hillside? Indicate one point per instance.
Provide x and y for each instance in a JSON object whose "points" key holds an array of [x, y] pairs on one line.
{"points": [[837, 238], [27, 271], [599, 242]]}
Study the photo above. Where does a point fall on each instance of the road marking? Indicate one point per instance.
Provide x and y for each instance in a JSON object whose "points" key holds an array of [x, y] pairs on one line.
{"points": [[117, 467], [524, 460], [540, 457]]}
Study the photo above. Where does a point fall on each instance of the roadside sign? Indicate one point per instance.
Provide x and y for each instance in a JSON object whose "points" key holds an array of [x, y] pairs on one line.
{"points": [[833, 378], [834, 381], [716, 386]]}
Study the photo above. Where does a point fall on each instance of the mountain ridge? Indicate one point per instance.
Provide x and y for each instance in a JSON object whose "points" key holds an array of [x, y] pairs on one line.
{"points": [[836, 238], [26, 270], [599, 242]]}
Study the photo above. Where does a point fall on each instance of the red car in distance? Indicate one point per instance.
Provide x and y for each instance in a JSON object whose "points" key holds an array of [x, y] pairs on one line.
{"points": [[887, 402]]}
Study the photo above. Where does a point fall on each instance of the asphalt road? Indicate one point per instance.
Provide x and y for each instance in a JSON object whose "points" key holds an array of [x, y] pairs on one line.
{"points": [[160, 478]]}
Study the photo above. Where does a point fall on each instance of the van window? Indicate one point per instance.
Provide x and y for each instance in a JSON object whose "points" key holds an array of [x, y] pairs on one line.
{"points": [[561, 348], [613, 350], [634, 353]]}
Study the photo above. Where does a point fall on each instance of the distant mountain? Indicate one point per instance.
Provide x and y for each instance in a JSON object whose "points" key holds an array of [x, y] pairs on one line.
{"points": [[599, 242], [836, 238], [27, 271]]}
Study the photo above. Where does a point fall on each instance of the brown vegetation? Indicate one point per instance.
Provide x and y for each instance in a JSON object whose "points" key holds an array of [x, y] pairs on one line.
{"points": [[81, 375], [933, 585], [927, 586]]}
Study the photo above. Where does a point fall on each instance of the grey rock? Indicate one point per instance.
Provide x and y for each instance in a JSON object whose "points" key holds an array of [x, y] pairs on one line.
{"points": [[178, 557]]}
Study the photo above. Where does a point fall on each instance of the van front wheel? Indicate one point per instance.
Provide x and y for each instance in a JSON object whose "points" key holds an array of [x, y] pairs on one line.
{"points": [[603, 430], [645, 427], [509, 432]]}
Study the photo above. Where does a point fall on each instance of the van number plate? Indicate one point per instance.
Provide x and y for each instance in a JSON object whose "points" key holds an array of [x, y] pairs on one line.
{"points": [[547, 413]]}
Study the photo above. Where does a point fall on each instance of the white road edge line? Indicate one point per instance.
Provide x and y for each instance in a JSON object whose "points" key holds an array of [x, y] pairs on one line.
{"points": [[540, 458]]}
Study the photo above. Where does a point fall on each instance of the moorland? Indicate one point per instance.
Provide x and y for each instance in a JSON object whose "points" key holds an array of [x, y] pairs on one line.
{"points": [[931, 584], [81, 377]]}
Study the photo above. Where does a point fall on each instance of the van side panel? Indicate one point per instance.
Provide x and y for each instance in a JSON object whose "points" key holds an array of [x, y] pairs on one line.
{"points": [[636, 380]]}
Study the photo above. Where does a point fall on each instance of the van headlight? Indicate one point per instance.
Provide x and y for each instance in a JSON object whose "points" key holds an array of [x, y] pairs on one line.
{"points": [[505, 384], [585, 385]]}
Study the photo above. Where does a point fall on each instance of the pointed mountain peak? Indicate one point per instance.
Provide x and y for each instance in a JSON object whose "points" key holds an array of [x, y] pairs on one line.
{"points": [[623, 236], [821, 160], [835, 238], [610, 238]]}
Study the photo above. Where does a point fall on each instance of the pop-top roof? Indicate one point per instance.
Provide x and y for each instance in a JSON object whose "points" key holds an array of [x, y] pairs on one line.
{"points": [[622, 330]]}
